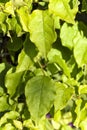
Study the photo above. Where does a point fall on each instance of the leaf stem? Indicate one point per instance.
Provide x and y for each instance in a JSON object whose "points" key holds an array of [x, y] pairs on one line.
{"points": [[41, 67]]}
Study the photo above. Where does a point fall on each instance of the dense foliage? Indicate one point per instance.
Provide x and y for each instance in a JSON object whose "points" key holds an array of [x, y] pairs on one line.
{"points": [[43, 65]]}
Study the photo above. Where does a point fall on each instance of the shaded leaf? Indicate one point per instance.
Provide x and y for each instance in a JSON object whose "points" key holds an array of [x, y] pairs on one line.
{"points": [[2, 67], [14, 41], [40, 94], [29, 47], [84, 5]]}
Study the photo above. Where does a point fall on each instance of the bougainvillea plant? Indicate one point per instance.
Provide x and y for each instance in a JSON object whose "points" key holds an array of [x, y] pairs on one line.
{"points": [[43, 64]]}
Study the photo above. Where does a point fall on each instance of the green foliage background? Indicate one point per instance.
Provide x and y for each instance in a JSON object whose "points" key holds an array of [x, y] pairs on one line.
{"points": [[43, 65]]}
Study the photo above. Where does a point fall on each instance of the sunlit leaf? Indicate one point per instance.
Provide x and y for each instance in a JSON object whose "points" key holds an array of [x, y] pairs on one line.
{"points": [[82, 89], [81, 112], [2, 17], [23, 14], [80, 51], [8, 126], [55, 56], [9, 8], [67, 35], [56, 21], [24, 62], [65, 9], [83, 124], [45, 124], [9, 115], [3, 103], [12, 80], [28, 123], [18, 3], [17, 124], [2, 20], [75, 40], [63, 94], [42, 32]]}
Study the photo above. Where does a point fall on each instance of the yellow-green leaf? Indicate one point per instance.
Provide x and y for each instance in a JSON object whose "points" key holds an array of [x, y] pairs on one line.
{"points": [[42, 32], [23, 14], [65, 9]]}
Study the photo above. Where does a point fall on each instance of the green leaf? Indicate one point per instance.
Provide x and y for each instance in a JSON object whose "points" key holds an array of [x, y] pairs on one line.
{"points": [[42, 32], [67, 35], [9, 115], [66, 127], [83, 124], [3, 103], [2, 17], [44, 124], [2, 67], [12, 80], [1, 91], [8, 126], [56, 22], [1, 1], [9, 8], [28, 124], [23, 14], [3, 70], [2, 20], [80, 51], [15, 43], [55, 56], [81, 111], [82, 89], [14, 25], [11, 23], [75, 37], [24, 62], [65, 9], [63, 95], [19, 3], [29, 48], [40, 94], [84, 5], [18, 124]]}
